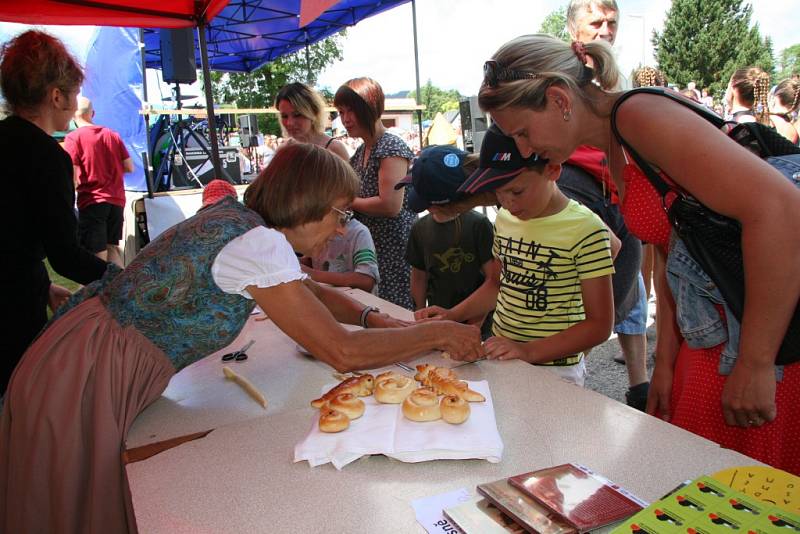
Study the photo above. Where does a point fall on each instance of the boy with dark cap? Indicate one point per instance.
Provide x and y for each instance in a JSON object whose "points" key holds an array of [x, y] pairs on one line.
{"points": [[553, 295], [450, 256]]}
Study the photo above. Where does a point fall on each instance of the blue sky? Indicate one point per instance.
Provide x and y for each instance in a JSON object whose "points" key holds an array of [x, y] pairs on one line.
{"points": [[457, 36]]}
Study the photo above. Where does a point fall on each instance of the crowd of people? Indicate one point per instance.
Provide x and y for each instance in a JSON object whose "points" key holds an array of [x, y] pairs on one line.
{"points": [[559, 269]]}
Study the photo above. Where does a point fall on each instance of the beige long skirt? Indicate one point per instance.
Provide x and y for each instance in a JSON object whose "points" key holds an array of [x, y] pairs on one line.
{"points": [[68, 408]]}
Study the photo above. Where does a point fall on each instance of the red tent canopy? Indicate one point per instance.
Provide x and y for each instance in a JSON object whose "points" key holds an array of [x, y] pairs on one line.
{"points": [[131, 13]]}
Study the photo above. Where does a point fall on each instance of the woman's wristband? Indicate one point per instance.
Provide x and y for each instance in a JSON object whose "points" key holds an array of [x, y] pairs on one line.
{"points": [[364, 313]]}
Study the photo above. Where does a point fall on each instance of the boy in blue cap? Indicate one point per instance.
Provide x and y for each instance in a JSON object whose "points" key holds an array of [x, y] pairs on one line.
{"points": [[450, 256], [553, 295]]}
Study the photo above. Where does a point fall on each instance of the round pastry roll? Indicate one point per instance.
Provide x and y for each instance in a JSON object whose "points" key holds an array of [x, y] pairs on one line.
{"points": [[332, 420], [422, 405], [348, 404], [455, 410], [387, 375], [394, 390]]}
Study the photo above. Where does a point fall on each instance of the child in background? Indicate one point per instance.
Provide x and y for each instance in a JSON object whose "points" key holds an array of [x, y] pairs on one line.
{"points": [[349, 260], [450, 257], [553, 295]]}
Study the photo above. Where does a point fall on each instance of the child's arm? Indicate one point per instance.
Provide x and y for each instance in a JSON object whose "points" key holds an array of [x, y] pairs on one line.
{"points": [[419, 287], [598, 304], [350, 279], [479, 303], [491, 272]]}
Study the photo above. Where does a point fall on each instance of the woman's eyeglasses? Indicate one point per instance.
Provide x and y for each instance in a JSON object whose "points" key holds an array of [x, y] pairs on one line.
{"points": [[345, 216], [494, 73]]}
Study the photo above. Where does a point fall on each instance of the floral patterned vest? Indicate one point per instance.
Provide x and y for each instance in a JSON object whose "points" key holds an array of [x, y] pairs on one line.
{"points": [[168, 293]]}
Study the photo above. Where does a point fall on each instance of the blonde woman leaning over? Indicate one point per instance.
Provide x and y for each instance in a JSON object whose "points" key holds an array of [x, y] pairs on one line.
{"points": [[303, 115], [540, 92]]}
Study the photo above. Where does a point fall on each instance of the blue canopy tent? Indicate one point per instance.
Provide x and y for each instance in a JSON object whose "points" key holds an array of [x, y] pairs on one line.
{"points": [[247, 34], [240, 35]]}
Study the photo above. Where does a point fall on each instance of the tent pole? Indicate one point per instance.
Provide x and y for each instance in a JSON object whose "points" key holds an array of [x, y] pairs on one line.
{"points": [[146, 156], [416, 66], [212, 123]]}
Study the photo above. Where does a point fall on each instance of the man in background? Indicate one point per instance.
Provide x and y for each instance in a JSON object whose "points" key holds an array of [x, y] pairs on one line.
{"points": [[99, 159], [590, 20]]}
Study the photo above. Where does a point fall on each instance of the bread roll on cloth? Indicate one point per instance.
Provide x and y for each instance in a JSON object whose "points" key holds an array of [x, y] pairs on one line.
{"points": [[360, 386], [422, 405], [333, 421], [444, 381], [455, 410]]}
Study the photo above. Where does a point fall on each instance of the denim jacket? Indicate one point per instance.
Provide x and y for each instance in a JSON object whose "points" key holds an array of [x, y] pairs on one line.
{"points": [[699, 321]]}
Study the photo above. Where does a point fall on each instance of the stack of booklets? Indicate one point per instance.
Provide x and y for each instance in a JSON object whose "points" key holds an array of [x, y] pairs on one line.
{"points": [[566, 499], [706, 506]]}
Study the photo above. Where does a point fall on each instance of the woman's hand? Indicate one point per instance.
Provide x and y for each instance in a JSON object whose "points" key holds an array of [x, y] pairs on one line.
{"points": [[432, 312], [384, 320], [57, 296], [660, 393], [748, 397], [500, 348], [461, 341]]}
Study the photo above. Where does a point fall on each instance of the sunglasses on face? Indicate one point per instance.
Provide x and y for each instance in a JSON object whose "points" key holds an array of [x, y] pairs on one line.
{"points": [[345, 216], [494, 73]]}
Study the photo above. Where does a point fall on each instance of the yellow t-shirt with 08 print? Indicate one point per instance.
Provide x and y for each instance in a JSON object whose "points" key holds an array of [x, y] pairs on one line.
{"points": [[543, 261]]}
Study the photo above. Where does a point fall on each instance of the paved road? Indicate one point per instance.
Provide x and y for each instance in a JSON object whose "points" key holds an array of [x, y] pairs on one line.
{"points": [[608, 377]]}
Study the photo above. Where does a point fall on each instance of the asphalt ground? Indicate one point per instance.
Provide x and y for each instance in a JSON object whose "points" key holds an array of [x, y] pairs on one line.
{"points": [[606, 376]]}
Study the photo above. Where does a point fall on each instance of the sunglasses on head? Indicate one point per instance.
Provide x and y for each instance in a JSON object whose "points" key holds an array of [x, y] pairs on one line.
{"points": [[345, 216], [494, 73]]}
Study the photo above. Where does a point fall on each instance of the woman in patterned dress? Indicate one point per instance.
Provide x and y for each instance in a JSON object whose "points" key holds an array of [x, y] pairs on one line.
{"points": [[116, 344], [381, 162], [539, 91]]}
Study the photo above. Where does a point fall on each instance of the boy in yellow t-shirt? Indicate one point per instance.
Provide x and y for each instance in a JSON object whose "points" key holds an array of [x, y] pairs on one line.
{"points": [[553, 297]]}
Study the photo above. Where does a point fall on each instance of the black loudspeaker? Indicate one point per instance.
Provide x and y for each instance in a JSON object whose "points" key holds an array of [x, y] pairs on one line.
{"points": [[200, 163], [248, 124], [248, 130], [177, 55], [473, 124]]}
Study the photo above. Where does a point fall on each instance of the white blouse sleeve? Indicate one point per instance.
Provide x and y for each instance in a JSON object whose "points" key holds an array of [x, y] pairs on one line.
{"points": [[261, 257]]}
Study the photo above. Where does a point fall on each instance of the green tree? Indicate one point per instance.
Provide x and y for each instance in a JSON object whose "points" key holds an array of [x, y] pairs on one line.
{"points": [[555, 24], [706, 40], [257, 89], [435, 99], [789, 62]]}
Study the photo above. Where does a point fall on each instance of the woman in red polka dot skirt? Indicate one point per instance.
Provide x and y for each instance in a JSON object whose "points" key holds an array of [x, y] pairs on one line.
{"points": [[541, 92]]}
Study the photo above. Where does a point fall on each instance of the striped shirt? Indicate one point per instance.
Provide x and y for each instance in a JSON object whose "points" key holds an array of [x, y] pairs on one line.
{"points": [[543, 261]]}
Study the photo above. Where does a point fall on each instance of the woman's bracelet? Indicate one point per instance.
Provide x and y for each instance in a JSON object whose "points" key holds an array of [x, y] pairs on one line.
{"points": [[366, 311]]}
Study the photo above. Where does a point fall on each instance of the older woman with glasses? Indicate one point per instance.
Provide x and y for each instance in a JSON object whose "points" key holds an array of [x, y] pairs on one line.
{"points": [[539, 91], [187, 294]]}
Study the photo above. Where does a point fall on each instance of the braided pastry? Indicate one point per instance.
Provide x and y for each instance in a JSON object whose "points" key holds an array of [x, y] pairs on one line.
{"points": [[333, 421], [422, 405], [455, 410], [444, 381], [394, 390], [348, 404], [360, 386]]}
